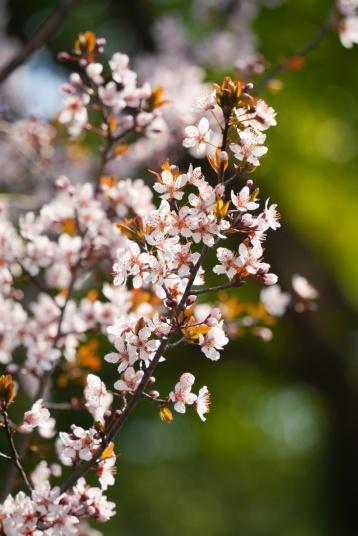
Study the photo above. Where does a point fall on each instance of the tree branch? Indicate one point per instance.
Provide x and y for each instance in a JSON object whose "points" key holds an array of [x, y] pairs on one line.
{"points": [[84, 467], [311, 44], [49, 26]]}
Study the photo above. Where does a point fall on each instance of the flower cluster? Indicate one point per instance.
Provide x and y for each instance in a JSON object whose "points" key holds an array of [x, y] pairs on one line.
{"points": [[51, 513], [124, 106]]}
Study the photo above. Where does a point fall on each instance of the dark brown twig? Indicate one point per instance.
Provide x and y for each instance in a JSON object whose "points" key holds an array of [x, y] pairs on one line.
{"points": [[14, 454], [311, 44], [49, 26]]}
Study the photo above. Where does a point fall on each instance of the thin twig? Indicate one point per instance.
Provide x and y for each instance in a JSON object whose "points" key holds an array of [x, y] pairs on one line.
{"points": [[6, 457], [311, 44], [15, 456], [49, 26], [62, 406], [178, 342], [214, 289]]}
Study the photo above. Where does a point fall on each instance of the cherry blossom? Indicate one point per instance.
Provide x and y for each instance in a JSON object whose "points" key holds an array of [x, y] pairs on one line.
{"points": [[58, 303], [242, 201], [74, 113], [182, 395], [131, 380], [230, 263], [105, 472], [79, 444], [274, 300], [198, 137], [202, 403], [170, 186], [250, 147], [303, 288], [38, 417], [97, 398], [213, 341]]}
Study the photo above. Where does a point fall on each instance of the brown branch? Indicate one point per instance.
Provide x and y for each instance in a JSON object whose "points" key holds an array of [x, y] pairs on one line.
{"points": [[49, 26], [119, 421], [308, 47], [84, 467]]}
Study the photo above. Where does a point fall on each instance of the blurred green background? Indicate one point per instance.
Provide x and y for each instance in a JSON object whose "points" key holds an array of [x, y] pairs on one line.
{"points": [[278, 455]]}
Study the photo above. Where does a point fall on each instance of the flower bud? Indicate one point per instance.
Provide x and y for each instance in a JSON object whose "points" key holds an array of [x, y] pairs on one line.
{"points": [[165, 414], [270, 279], [223, 156], [7, 391], [63, 56], [263, 333]]}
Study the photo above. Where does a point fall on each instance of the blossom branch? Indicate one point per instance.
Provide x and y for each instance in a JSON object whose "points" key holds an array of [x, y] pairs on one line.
{"points": [[138, 394]]}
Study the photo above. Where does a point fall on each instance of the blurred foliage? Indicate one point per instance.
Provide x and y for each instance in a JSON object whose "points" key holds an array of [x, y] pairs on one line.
{"points": [[270, 459]]}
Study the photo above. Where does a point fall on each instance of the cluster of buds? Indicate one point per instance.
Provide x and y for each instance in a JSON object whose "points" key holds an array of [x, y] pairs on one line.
{"points": [[235, 114], [106, 99]]}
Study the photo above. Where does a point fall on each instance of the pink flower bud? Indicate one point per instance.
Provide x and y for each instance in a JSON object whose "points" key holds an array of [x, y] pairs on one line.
{"points": [[269, 279], [63, 56]]}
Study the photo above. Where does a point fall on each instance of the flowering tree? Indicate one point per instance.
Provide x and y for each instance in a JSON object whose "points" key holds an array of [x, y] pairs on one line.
{"points": [[58, 296]]}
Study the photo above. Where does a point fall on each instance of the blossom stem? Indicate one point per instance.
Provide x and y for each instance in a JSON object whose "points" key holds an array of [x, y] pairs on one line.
{"points": [[225, 132], [180, 341], [215, 289], [14, 453], [153, 399]]}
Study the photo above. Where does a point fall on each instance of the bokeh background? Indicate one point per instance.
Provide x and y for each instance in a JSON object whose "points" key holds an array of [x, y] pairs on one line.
{"points": [[278, 455]]}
